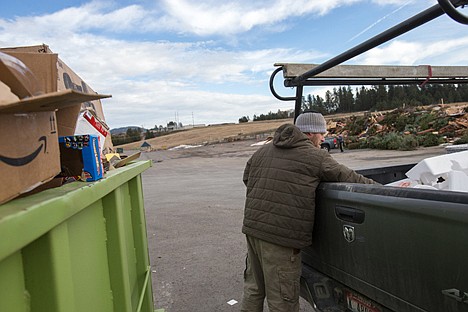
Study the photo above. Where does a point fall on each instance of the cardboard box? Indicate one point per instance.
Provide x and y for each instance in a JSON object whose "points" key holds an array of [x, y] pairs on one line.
{"points": [[54, 75], [29, 151], [80, 156], [29, 154], [15, 75]]}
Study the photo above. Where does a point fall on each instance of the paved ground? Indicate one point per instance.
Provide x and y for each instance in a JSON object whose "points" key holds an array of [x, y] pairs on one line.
{"points": [[194, 202]]}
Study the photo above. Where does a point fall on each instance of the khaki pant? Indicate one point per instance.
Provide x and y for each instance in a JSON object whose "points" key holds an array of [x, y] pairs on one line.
{"points": [[272, 271]]}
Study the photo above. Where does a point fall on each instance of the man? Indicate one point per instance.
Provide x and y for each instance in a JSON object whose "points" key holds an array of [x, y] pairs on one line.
{"points": [[281, 179], [341, 142]]}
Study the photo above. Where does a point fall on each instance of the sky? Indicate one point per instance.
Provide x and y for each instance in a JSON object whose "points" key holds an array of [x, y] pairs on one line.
{"points": [[210, 61]]}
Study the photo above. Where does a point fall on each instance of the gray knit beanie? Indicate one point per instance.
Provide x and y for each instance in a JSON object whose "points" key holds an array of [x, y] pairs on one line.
{"points": [[311, 122]]}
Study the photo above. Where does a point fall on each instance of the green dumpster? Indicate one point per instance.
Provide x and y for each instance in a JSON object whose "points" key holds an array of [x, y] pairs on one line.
{"points": [[79, 247]]}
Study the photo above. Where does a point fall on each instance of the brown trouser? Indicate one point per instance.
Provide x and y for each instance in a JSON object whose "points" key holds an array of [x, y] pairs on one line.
{"points": [[272, 271]]}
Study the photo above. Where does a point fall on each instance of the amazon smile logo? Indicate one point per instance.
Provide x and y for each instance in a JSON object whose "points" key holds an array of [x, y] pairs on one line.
{"points": [[21, 161]]}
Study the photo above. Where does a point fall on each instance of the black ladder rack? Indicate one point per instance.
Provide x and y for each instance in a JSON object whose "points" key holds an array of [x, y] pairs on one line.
{"points": [[330, 74]]}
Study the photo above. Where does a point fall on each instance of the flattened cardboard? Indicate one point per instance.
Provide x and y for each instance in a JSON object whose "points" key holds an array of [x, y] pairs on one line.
{"points": [[49, 102], [128, 159]]}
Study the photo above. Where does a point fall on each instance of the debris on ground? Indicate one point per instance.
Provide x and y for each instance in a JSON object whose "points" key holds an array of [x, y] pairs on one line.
{"points": [[451, 122]]}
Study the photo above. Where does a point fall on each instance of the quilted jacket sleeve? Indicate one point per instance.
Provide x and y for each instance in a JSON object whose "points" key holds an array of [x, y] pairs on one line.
{"points": [[332, 171]]}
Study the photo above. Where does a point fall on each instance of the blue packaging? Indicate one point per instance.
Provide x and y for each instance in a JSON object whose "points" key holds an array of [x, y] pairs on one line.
{"points": [[80, 156]]}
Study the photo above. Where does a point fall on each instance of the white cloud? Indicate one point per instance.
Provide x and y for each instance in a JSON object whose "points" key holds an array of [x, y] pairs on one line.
{"points": [[150, 81], [227, 18], [115, 51], [201, 18], [442, 52], [95, 15], [394, 2], [155, 102]]}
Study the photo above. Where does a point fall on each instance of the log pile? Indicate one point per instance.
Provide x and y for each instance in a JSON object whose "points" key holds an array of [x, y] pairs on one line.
{"points": [[447, 121]]}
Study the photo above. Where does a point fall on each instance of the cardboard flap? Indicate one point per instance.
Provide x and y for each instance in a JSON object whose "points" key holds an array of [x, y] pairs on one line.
{"points": [[49, 101], [18, 77], [126, 160], [41, 48], [43, 66]]}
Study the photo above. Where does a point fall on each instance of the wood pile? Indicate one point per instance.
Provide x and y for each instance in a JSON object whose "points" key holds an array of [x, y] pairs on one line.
{"points": [[444, 120]]}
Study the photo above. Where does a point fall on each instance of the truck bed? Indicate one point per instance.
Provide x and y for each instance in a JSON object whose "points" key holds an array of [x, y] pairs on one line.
{"points": [[388, 248]]}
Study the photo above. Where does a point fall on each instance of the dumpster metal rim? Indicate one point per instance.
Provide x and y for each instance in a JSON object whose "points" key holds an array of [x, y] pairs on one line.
{"points": [[45, 210]]}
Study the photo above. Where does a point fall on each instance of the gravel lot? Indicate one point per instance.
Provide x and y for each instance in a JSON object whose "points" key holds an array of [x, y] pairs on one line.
{"points": [[194, 204]]}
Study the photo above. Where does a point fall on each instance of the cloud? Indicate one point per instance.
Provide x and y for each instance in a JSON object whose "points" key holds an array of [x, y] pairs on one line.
{"points": [[441, 52], [157, 106], [188, 80], [200, 18], [150, 81], [160, 79], [120, 51], [233, 17], [394, 2], [380, 20]]}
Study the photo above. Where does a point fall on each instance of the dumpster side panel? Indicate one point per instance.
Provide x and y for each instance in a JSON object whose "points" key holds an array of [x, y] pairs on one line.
{"points": [[127, 247], [120, 249], [141, 243], [77, 247], [89, 259], [47, 271], [13, 294]]}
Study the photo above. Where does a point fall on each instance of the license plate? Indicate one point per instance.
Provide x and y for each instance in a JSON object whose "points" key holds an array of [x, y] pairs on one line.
{"points": [[357, 303]]}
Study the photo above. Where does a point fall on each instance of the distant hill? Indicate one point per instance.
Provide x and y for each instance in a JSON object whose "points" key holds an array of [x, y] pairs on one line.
{"points": [[260, 130], [213, 134], [122, 130]]}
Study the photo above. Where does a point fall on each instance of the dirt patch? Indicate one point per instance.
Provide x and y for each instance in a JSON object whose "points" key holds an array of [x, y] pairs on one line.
{"points": [[226, 133]]}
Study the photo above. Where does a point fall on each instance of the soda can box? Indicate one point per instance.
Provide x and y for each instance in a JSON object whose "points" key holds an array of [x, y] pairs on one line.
{"points": [[80, 156]]}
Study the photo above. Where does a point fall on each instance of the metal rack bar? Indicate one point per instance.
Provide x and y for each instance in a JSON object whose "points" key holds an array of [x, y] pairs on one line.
{"points": [[307, 78]]}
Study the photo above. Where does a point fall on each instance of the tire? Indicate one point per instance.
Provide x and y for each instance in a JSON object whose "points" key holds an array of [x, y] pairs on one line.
{"points": [[326, 147]]}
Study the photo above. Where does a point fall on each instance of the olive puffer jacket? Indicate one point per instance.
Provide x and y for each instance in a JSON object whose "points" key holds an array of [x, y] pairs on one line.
{"points": [[281, 180]]}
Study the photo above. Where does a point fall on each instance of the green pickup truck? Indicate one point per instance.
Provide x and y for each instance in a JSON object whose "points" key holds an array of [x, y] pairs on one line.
{"points": [[379, 248]]}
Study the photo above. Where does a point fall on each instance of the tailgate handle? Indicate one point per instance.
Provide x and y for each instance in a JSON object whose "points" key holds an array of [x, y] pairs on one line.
{"points": [[349, 214]]}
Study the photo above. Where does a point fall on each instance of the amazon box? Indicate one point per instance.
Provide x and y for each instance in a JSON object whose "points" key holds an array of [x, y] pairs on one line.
{"points": [[29, 148], [29, 154], [54, 75]]}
